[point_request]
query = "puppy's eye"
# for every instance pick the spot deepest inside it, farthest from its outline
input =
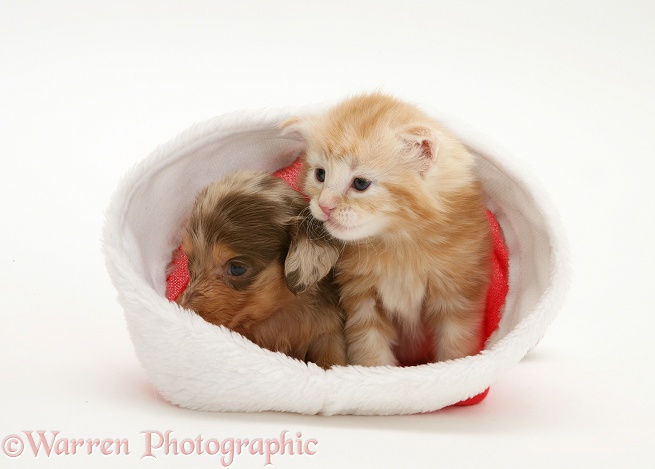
(235, 269)
(361, 184)
(320, 174)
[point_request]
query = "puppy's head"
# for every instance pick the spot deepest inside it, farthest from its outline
(237, 240)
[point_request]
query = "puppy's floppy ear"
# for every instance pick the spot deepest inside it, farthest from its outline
(312, 253)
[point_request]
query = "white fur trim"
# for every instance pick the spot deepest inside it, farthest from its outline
(198, 365)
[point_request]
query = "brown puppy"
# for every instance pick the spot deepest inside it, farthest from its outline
(242, 231)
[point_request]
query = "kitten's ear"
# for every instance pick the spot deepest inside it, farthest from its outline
(312, 254)
(297, 125)
(422, 143)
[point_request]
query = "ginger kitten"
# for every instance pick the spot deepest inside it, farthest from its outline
(401, 192)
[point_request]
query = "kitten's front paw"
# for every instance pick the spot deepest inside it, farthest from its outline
(373, 361)
(370, 334)
(372, 354)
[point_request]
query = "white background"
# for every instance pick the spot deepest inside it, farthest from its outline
(566, 87)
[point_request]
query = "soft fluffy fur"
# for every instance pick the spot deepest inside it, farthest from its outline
(241, 231)
(416, 266)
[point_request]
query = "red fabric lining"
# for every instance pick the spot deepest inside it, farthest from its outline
(178, 279)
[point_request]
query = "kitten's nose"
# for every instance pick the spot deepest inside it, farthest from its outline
(327, 209)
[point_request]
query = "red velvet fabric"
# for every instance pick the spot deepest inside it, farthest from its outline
(178, 279)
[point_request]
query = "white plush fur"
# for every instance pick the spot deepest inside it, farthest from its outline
(198, 365)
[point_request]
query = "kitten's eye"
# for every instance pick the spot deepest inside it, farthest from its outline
(235, 269)
(361, 184)
(320, 174)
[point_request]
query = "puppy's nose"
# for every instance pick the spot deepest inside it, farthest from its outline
(327, 209)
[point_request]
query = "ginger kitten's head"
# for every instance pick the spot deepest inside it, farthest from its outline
(372, 163)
